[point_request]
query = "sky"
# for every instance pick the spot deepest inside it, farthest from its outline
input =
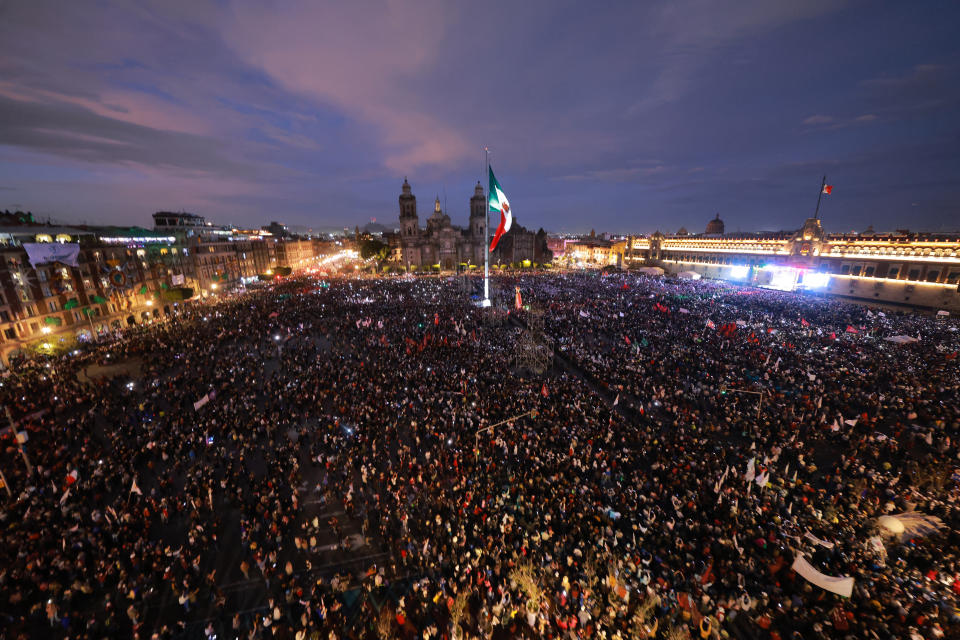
(626, 117)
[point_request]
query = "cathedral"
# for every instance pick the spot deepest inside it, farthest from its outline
(452, 246)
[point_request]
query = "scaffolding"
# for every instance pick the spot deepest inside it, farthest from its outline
(533, 352)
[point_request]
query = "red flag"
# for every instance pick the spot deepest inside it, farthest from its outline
(436, 319)
(707, 576)
(519, 300)
(851, 329)
(804, 323)
(833, 335)
(543, 391)
(951, 356)
(627, 339)
(827, 188)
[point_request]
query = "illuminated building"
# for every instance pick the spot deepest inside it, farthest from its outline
(916, 269)
(451, 247)
(124, 275)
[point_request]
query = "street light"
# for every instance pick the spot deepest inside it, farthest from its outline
(149, 303)
(45, 330)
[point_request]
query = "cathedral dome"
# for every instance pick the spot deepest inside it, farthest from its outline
(715, 226)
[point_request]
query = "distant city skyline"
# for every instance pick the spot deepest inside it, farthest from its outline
(636, 118)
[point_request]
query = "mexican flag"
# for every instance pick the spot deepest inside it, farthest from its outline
(499, 202)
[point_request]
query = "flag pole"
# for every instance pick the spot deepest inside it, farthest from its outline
(816, 214)
(486, 233)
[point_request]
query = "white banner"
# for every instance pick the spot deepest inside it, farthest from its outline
(46, 252)
(199, 403)
(816, 540)
(841, 586)
(177, 280)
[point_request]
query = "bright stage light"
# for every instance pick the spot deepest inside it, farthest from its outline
(780, 278)
(739, 273)
(815, 280)
(784, 279)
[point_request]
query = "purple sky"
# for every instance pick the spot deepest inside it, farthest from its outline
(619, 116)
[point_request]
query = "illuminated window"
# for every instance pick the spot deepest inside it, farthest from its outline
(43, 237)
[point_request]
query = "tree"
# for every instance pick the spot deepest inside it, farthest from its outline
(373, 248)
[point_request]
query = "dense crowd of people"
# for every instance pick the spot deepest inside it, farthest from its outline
(369, 459)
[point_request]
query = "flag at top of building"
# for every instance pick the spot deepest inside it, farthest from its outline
(827, 188)
(499, 202)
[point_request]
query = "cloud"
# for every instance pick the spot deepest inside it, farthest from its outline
(691, 33)
(360, 58)
(821, 122)
(818, 120)
(925, 88)
(626, 174)
(73, 131)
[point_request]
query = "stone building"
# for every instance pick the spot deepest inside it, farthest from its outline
(451, 246)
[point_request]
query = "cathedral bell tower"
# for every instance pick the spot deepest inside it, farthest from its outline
(409, 223)
(478, 212)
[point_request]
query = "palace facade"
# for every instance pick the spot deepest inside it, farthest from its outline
(915, 269)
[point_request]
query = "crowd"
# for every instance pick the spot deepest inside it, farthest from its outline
(313, 460)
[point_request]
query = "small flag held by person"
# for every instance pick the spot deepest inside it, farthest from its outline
(519, 300)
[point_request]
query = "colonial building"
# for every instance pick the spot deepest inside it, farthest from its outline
(124, 275)
(451, 246)
(915, 269)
